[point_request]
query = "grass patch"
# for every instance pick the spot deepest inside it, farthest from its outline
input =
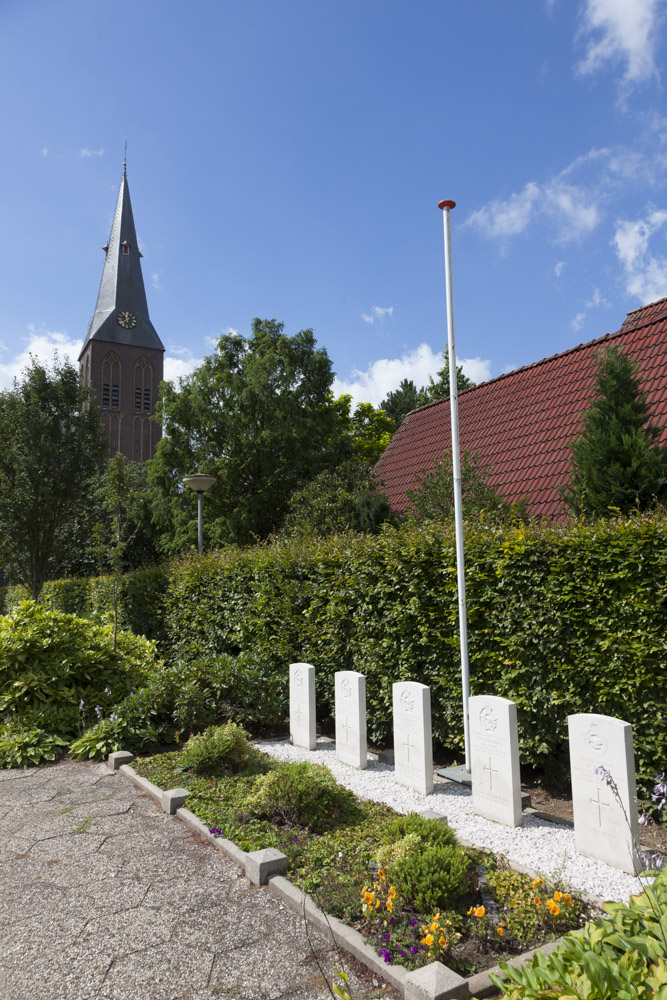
(479, 910)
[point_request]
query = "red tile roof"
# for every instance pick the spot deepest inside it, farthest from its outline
(521, 423)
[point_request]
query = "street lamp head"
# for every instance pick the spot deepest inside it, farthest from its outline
(199, 481)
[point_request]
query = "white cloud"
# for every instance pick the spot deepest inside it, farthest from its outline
(377, 313)
(571, 207)
(41, 344)
(558, 268)
(386, 374)
(156, 282)
(578, 321)
(645, 271)
(45, 150)
(622, 31)
(507, 218)
(88, 153)
(179, 362)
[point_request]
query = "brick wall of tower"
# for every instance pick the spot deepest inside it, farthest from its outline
(125, 380)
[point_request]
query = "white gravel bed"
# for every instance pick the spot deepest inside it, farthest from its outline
(547, 848)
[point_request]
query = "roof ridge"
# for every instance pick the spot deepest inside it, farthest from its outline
(533, 364)
(648, 305)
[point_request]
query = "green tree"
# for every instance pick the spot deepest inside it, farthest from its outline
(617, 464)
(259, 415)
(51, 446)
(432, 499)
(125, 501)
(347, 498)
(369, 430)
(399, 402)
(438, 388)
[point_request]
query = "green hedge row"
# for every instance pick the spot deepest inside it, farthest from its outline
(561, 620)
(140, 603)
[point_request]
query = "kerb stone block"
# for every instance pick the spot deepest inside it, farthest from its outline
(261, 865)
(435, 982)
(114, 760)
(173, 800)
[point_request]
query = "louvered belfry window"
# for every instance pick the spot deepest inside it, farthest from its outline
(110, 382)
(105, 396)
(143, 376)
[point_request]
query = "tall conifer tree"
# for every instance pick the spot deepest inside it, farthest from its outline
(617, 464)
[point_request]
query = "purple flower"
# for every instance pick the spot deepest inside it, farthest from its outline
(660, 791)
(295, 840)
(113, 717)
(98, 711)
(413, 923)
(107, 690)
(387, 937)
(413, 948)
(81, 705)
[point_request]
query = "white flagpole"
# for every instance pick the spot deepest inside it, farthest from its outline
(446, 207)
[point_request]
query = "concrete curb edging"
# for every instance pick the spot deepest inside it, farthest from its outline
(265, 867)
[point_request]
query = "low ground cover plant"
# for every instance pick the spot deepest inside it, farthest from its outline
(404, 881)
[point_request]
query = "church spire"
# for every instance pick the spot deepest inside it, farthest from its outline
(121, 314)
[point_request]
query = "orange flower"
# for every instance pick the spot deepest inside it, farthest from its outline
(469, 911)
(555, 910)
(558, 896)
(390, 905)
(500, 931)
(428, 940)
(479, 911)
(442, 942)
(537, 882)
(537, 901)
(567, 898)
(392, 891)
(381, 874)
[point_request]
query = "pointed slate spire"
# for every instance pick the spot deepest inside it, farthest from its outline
(121, 314)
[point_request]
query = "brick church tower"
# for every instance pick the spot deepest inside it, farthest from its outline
(122, 355)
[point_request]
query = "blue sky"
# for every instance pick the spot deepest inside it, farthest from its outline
(285, 159)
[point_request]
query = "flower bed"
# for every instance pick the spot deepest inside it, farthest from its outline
(404, 882)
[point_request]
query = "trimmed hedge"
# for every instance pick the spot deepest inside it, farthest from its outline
(560, 619)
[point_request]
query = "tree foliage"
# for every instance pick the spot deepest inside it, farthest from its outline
(432, 499)
(259, 415)
(369, 430)
(399, 402)
(51, 446)
(617, 464)
(347, 498)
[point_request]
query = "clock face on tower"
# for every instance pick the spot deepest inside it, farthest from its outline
(126, 319)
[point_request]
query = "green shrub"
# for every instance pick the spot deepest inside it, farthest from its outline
(58, 671)
(389, 854)
(433, 832)
(25, 748)
(219, 748)
(301, 795)
(187, 697)
(619, 957)
(433, 878)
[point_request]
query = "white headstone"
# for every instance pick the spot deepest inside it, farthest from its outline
(602, 762)
(350, 690)
(494, 759)
(413, 746)
(302, 705)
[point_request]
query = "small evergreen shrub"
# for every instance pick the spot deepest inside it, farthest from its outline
(430, 831)
(219, 748)
(390, 853)
(433, 878)
(301, 795)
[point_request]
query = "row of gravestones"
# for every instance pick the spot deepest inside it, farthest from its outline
(601, 757)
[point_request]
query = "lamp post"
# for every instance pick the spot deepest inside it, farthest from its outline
(199, 482)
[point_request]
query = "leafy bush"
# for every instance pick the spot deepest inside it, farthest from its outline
(188, 697)
(25, 748)
(56, 670)
(433, 878)
(301, 795)
(619, 957)
(390, 853)
(219, 748)
(430, 831)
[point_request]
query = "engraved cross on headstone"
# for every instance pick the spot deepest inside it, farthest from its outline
(492, 770)
(597, 801)
(409, 746)
(346, 727)
(298, 715)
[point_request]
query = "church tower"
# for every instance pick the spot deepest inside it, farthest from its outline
(122, 355)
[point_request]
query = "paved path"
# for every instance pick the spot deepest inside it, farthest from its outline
(104, 897)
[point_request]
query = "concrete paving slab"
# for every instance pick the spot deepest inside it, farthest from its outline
(138, 907)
